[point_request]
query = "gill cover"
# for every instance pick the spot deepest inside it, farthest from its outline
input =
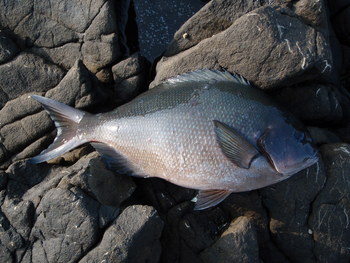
(288, 150)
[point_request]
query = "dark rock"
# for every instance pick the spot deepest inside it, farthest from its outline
(6, 256)
(66, 226)
(157, 21)
(133, 237)
(109, 189)
(213, 18)
(329, 220)
(312, 12)
(20, 214)
(3, 180)
(130, 78)
(289, 206)
(312, 103)
(27, 73)
(241, 238)
(259, 40)
(341, 25)
(9, 237)
(323, 136)
(8, 48)
(66, 32)
(107, 215)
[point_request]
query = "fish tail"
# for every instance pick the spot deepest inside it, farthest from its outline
(66, 120)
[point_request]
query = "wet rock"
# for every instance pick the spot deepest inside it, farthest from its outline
(133, 237)
(66, 227)
(129, 77)
(158, 20)
(312, 103)
(290, 230)
(241, 238)
(329, 220)
(267, 36)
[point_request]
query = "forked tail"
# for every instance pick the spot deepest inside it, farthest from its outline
(66, 120)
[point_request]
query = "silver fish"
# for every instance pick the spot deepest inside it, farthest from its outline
(207, 130)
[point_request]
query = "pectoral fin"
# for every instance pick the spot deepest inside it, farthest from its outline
(209, 198)
(234, 146)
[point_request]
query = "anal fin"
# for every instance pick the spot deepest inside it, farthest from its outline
(114, 160)
(209, 198)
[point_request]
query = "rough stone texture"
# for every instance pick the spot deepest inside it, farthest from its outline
(21, 126)
(329, 220)
(239, 237)
(263, 39)
(129, 78)
(313, 103)
(157, 22)
(133, 237)
(74, 209)
(27, 73)
(213, 18)
(65, 31)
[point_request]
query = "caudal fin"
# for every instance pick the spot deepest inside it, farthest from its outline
(66, 121)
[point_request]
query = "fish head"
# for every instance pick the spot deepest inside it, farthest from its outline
(289, 150)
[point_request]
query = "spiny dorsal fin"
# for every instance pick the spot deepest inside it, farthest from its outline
(208, 75)
(234, 146)
(209, 198)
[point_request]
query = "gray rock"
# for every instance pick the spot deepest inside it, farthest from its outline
(267, 36)
(6, 256)
(66, 226)
(241, 238)
(157, 21)
(9, 238)
(8, 48)
(133, 237)
(312, 103)
(289, 207)
(213, 18)
(130, 78)
(27, 73)
(63, 33)
(329, 220)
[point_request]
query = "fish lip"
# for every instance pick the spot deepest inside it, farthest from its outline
(307, 162)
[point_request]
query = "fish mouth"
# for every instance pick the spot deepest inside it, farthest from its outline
(291, 167)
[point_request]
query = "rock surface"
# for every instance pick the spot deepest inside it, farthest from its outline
(94, 56)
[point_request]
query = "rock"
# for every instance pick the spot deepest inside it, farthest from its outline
(312, 103)
(21, 126)
(66, 226)
(27, 73)
(130, 78)
(329, 219)
(241, 238)
(323, 136)
(267, 36)
(341, 25)
(157, 21)
(109, 189)
(213, 18)
(290, 230)
(9, 238)
(133, 237)
(3, 180)
(65, 32)
(8, 48)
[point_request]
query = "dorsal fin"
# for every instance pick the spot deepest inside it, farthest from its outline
(207, 75)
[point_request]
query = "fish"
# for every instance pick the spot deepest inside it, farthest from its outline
(208, 130)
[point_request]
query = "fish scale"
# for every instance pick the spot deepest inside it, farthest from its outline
(207, 130)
